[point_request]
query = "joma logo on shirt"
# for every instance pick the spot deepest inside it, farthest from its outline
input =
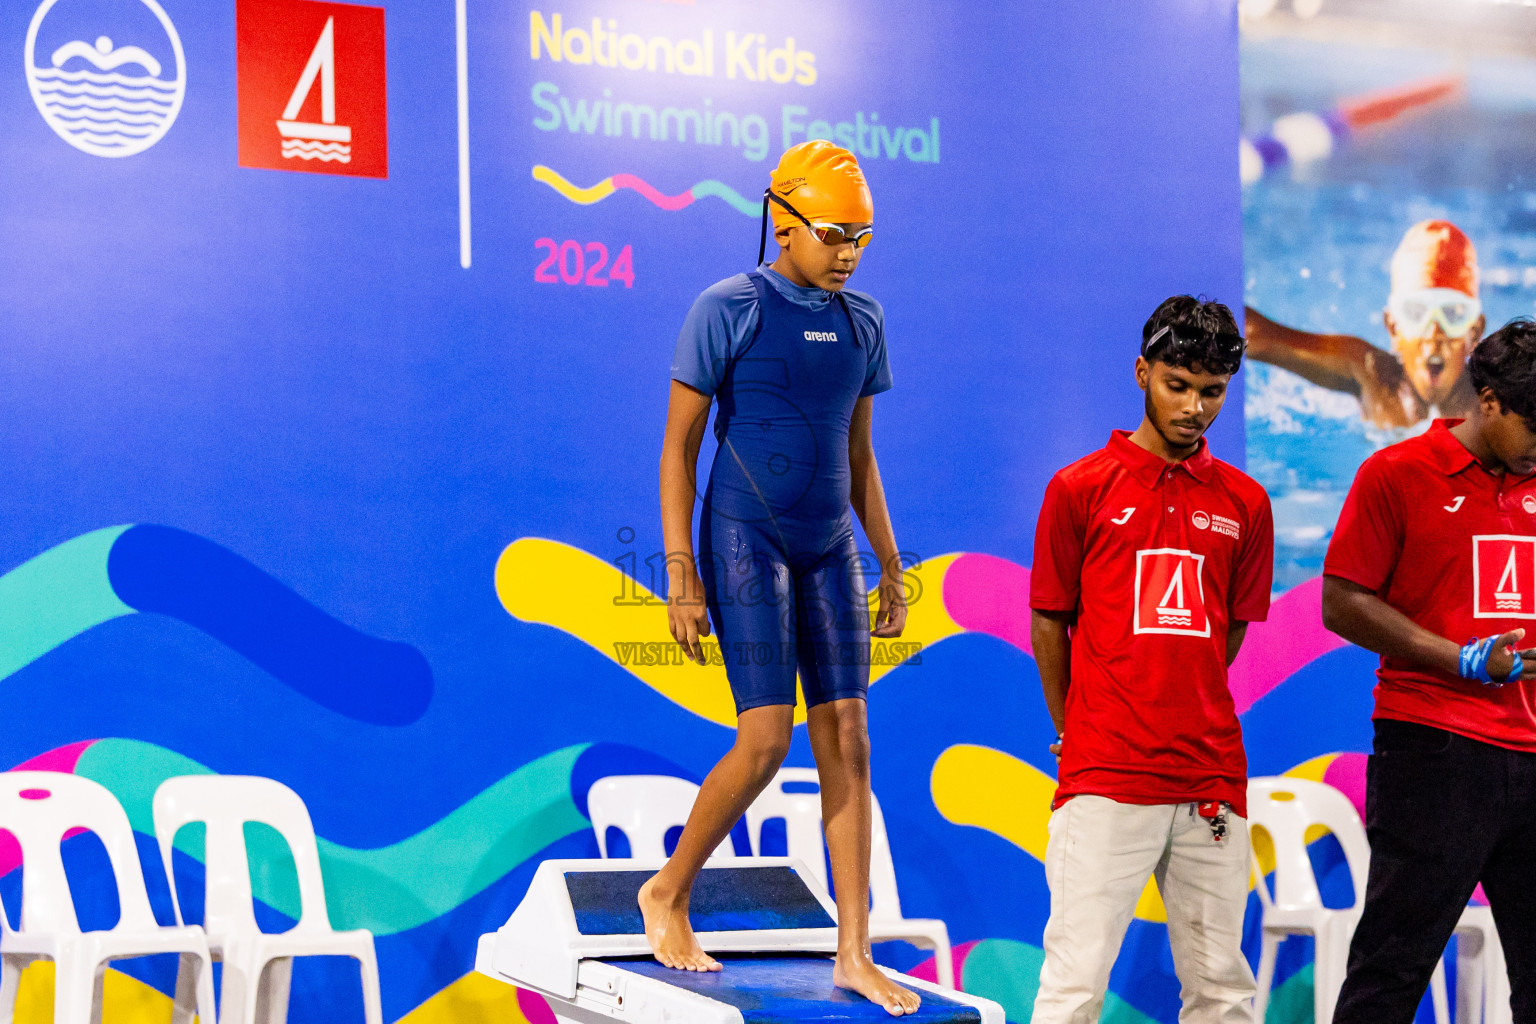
(1504, 577)
(1170, 593)
(820, 335)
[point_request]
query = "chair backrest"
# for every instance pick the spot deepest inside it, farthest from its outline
(1287, 809)
(39, 809)
(805, 839)
(224, 803)
(645, 808)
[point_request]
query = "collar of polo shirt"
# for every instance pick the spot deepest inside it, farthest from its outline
(1146, 467)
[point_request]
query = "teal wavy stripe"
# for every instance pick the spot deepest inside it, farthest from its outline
(720, 190)
(55, 597)
(392, 888)
(1008, 971)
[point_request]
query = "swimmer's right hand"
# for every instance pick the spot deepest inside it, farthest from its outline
(688, 619)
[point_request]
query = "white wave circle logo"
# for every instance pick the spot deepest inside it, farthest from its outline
(118, 106)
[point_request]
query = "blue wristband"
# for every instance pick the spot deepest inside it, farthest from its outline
(1474, 662)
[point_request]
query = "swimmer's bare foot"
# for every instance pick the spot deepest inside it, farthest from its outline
(862, 976)
(669, 933)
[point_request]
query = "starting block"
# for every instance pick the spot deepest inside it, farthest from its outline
(578, 939)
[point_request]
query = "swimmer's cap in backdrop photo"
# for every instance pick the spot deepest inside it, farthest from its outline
(1435, 254)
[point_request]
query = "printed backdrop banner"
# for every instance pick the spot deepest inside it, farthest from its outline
(336, 347)
(1389, 223)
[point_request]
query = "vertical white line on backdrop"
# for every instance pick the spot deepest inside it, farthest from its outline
(462, 40)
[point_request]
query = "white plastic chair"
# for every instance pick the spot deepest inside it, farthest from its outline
(803, 833)
(645, 808)
(1285, 808)
(1482, 980)
(38, 808)
(257, 966)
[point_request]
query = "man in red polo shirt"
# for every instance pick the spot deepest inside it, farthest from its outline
(1437, 543)
(1151, 558)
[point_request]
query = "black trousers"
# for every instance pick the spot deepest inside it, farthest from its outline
(1443, 812)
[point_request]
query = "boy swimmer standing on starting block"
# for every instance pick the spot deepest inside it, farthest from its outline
(793, 360)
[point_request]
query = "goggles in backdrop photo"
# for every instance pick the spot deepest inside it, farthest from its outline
(1170, 342)
(1413, 311)
(828, 234)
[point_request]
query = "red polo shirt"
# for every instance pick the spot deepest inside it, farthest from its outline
(1453, 547)
(1156, 558)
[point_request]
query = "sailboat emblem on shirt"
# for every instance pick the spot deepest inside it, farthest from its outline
(1170, 593)
(1504, 577)
(1171, 610)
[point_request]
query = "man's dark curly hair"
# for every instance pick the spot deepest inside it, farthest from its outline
(1505, 363)
(1199, 334)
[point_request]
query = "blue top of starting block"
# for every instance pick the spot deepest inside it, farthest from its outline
(779, 989)
(723, 900)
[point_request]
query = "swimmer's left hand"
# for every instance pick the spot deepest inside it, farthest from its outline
(891, 617)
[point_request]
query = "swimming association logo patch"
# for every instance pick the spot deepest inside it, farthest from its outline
(1503, 577)
(312, 87)
(1170, 593)
(109, 79)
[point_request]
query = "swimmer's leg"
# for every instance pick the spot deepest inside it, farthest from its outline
(762, 740)
(833, 634)
(752, 606)
(839, 735)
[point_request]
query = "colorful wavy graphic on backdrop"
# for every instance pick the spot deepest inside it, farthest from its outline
(394, 888)
(708, 189)
(121, 570)
(395, 891)
(427, 895)
(559, 585)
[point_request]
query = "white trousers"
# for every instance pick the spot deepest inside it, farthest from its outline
(1097, 863)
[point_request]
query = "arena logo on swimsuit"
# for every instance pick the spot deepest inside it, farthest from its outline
(820, 335)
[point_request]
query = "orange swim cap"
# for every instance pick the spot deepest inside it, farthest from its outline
(824, 183)
(1435, 254)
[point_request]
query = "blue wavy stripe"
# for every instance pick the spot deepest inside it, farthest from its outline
(175, 573)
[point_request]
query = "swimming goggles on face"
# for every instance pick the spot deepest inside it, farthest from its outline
(828, 234)
(1168, 342)
(1413, 311)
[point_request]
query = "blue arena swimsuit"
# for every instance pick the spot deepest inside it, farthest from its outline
(781, 571)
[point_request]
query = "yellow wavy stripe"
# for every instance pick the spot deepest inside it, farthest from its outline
(991, 790)
(988, 789)
(124, 1000)
(584, 196)
(1313, 769)
(473, 999)
(545, 581)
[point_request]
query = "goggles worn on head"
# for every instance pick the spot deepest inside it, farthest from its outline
(1413, 311)
(828, 234)
(1168, 342)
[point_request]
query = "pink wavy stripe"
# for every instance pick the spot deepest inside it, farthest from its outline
(987, 594)
(1277, 648)
(928, 970)
(60, 759)
(1347, 775)
(676, 202)
(535, 1007)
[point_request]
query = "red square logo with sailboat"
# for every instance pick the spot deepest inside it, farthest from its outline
(1170, 593)
(1503, 577)
(312, 87)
